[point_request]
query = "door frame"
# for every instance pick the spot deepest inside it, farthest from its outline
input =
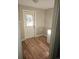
(55, 28)
(23, 11)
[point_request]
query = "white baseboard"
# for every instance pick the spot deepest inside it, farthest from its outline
(35, 36)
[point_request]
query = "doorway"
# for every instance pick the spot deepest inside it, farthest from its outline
(36, 40)
(37, 24)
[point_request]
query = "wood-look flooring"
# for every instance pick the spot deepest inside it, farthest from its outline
(35, 48)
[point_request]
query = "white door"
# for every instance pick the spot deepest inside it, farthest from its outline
(28, 17)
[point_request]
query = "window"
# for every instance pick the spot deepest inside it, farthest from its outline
(29, 20)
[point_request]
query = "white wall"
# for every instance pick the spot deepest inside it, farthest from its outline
(40, 17)
(48, 22)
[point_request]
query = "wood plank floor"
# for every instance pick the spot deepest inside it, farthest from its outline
(37, 48)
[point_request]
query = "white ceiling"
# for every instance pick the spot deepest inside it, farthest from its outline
(43, 4)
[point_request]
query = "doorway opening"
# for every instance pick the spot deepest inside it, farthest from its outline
(37, 26)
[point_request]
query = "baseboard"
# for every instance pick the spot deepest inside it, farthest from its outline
(33, 37)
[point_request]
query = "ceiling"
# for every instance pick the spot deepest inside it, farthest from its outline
(43, 4)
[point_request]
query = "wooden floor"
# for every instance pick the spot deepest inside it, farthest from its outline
(35, 48)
